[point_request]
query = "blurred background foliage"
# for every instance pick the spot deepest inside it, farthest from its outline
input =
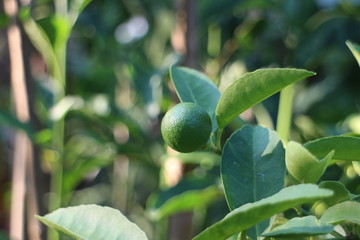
(117, 90)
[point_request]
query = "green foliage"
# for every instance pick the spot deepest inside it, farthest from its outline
(92, 222)
(252, 168)
(301, 227)
(186, 201)
(99, 101)
(302, 165)
(341, 212)
(249, 214)
(193, 86)
(345, 147)
(252, 88)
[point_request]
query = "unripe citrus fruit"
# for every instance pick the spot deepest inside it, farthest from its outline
(186, 127)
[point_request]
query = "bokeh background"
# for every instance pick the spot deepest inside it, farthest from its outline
(95, 110)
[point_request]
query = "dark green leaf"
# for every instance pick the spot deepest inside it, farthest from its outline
(193, 86)
(304, 166)
(346, 147)
(252, 167)
(87, 222)
(252, 88)
(301, 227)
(250, 214)
(186, 201)
(341, 212)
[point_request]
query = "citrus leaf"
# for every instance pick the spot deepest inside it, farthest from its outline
(304, 166)
(252, 88)
(341, 212)
(42, 43)
(355, 50)
(346, 147)
(193, 86)
(300, 227)
(340, 192)
(250, 214)
(186, 201)
(252, 168)
(90, 222)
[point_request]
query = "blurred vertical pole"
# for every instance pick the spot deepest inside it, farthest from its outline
(23, 150)
(184, 40)
(191, 38)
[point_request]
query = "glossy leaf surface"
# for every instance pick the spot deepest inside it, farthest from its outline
(90, 222)
(252, 167)
(250, 214)
(252, 88)
(301, 227)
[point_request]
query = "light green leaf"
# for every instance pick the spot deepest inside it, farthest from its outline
(304, 166)
(300, 227)
(186, 201)
(194, 86)
(340, 192)
(341, 212)
(252, 168)
(355, 49)
(250, 214)
(76, 7)
(43, 44)
(92, 222)
(252, 88)
(346, 147)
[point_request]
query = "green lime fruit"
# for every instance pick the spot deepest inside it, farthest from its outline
(186, 127)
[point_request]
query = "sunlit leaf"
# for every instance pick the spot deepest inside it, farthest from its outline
(87, 222)
(355, 49)
(252, 88)
(249, 214)
(300, 227)
(304, 166)
(346, 147)
(341, 212)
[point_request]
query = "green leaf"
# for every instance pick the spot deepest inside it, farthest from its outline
(252, 167)
(186, 201)
(76, 7)
(250, 214)
(300, 227)
(355, 49)
(254, 87)
(304, 166)
(193, 86)
(341, 212)
(346, 147)
(340, 192)
(90, 222)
